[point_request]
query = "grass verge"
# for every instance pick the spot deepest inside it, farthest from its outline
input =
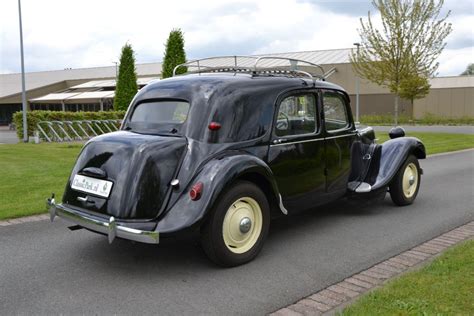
(428, 119)
(444, 287)
(31, 172)
(436, 143)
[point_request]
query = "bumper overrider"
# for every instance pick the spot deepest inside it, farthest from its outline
(110, 228)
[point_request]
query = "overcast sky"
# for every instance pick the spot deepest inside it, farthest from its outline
(62, 34)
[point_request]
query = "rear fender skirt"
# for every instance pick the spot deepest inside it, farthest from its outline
(215, 176)
(393, 155)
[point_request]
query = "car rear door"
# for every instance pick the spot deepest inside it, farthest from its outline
(339, 134)
(296, 154)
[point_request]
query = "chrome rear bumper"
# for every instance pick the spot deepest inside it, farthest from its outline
(109, 228)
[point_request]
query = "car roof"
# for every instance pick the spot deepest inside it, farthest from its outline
(220, 80)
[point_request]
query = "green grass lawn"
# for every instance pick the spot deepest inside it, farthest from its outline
(29, 172)
(444, 287)
(437, 142)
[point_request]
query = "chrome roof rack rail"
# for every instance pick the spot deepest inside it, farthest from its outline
(250, 65)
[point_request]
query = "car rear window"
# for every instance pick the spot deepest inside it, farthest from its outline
(168, 112)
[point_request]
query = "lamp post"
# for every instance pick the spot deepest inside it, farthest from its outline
(23, 92)
(116, 70)
(357, 88)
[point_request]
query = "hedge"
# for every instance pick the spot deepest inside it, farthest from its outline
(34, 117)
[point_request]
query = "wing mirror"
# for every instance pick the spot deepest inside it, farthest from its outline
(396, 132)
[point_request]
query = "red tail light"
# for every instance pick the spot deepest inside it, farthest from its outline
(196, 191)
(214, 126)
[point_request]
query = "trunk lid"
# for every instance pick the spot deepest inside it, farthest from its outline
(139, 166)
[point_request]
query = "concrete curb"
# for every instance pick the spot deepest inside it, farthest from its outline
(333, 298)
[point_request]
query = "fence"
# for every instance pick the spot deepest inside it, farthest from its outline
(61, 131)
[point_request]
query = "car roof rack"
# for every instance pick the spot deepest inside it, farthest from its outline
(256, 66)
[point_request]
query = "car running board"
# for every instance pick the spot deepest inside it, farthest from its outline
(359, 187)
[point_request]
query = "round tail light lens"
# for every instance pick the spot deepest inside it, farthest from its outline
(196, 191)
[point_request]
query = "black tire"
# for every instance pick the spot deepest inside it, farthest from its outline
(398, 195)
(212, 238)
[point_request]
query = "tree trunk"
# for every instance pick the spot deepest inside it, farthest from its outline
(396, 110)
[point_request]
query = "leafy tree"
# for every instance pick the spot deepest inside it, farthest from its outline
(406, 48)
(469, 70)
(174, 54)
(127, 79)
(414, 87)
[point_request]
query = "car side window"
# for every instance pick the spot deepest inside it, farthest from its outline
(335, 111)
(296, 115)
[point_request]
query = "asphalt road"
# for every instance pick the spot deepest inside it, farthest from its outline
(47, 269)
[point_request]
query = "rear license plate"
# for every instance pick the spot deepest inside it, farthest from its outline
(91, 185)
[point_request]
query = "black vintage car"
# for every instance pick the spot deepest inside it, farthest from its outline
(224, 149)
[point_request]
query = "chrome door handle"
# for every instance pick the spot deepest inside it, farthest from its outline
(279, 140)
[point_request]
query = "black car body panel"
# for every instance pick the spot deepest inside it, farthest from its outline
(140, 167)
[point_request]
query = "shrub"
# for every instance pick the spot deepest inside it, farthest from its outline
(34, 117)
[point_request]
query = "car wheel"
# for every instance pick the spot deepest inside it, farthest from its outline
(404, 187)
(238, 225)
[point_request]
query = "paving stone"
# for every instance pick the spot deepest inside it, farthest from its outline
(396, 265)
(440, 243)
(426, 249)
(416, 258)
(321, 307)
(304, 309)
(368, 279)
(285, 312)
(4, 223)
(360, 283)
(352, 287)
(341, 298)
(386, 273)
(325, 300)
(445, 241)
(419, 253)
(403, 261)
(387, 267)
(374, 274)
(435, 246)
(342, 290)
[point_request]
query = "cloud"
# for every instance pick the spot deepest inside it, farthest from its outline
(61, 34)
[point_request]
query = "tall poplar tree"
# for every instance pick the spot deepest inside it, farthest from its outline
(127, 79)
(174, 54)
(402, 54)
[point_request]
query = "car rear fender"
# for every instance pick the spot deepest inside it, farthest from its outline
(216, 175)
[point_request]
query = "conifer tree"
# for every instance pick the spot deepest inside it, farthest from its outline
(174, 54)
(127, 79)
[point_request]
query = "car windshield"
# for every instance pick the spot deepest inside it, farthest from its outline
(159, 116)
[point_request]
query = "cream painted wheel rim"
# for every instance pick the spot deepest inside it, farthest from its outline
(410, 180)
(242, 225)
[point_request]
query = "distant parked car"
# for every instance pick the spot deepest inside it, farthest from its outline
(222, 149)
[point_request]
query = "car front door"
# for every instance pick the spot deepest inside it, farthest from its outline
(296, 154)
(339, 135)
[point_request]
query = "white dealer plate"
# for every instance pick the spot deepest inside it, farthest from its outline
(91, 185)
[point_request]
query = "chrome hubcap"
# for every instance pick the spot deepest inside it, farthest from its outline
(245, 225)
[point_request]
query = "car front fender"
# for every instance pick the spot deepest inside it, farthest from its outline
(216, 175)
(393, 155)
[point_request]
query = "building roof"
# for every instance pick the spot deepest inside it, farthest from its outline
(452, 82)
(10, 84)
